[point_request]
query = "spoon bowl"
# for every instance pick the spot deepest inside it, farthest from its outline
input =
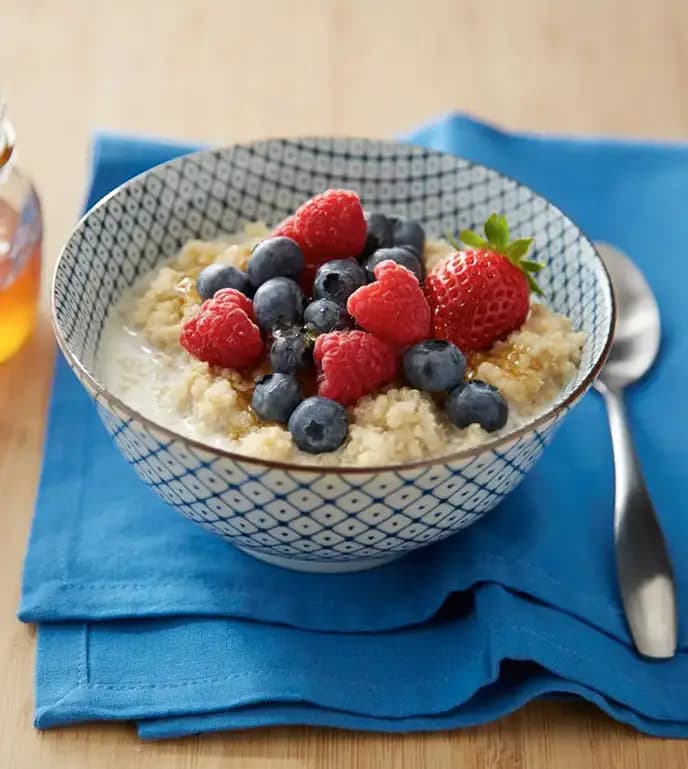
(637, 333)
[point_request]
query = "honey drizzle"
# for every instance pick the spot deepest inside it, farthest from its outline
(506, 356)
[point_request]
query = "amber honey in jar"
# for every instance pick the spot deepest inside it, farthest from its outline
(21, 232)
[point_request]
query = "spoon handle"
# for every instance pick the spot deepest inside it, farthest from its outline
(645, 575)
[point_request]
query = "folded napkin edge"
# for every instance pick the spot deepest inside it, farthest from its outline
(459, 119)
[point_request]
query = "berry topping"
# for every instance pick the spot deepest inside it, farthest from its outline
(399, 254)
(379, 234)
(477, 403)
(318, 425)
(330, 225)
(407, 232)
(352, 364)
(274, 257)
(223, 333)
(287, 229)
(278, 300)
(338, 279)
(307, 277)
(325, 315)
(275, 397)
(291, 350)
(480, 295)
(232, 296)
(393, 308)
(215, 277)
(434, 365)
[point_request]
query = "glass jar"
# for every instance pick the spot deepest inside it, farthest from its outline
(21, 234)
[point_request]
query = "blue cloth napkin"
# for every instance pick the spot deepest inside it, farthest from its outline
(145, 616)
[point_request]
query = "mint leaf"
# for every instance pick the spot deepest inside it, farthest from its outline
(471, 238)
(530, 266)
(497, 231)
(519, 248)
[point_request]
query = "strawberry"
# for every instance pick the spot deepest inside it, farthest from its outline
(330, 225)
(480, 295)
(352, 364)
(224, 332)
(393, 308)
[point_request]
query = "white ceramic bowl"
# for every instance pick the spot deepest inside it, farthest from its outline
(296, 516)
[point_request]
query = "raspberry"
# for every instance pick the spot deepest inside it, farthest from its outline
(224, 333)
(308, 278)
(233, 297)
(393, 308)
(286, 229)
(352, 364)
(330, 225)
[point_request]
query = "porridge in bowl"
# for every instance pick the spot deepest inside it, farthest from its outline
(340, 340)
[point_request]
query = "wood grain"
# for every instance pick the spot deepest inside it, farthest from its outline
(230, 70)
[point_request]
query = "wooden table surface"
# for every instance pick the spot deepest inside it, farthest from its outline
(232, 70)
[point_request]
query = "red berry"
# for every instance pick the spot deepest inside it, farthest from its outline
(330, 225)
(393, 308)
(352, 364)
(477, 297)
(286, 229)
(224, 333)
(230, 296)
(307, 278)
(480, 295)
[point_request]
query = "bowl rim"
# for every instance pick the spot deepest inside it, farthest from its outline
(550, 414)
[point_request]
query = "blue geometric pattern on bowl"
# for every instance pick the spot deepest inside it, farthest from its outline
(322, 519)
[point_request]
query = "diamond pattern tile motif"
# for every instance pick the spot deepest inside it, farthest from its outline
(314, 518)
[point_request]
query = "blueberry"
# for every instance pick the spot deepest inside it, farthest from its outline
(274, 257)
(325, 315)
(318, 425)
(217, 276)
(379, 234)
(407, 232)
(278, 300)
(399, 254)
(338, 279)
(275, 397)
(291, 349)
(477, 402)
(434, 365)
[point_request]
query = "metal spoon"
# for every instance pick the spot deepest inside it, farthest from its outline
(645, 575)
